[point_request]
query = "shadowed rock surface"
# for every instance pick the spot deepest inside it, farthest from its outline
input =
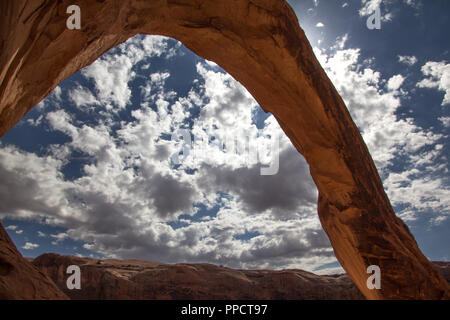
(19, 279)
(260, 43)
(143, 279)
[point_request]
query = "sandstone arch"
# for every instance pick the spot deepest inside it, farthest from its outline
(260, 43)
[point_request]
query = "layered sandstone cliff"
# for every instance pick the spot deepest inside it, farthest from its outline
(260, 43)
(141, 279)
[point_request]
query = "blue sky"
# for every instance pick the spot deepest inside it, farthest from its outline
(88, 171)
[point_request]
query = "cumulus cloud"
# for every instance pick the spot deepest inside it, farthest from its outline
(285, 194)
(408, 60)
(30, 246)
(437, 76)
(112, 73)
(445, 121)
(83, 97)
(59, 237)
(395, 82)
(171, 197)
(369, 6)
(438, 220)
(413, 3)
(31, 184)
(88, 246)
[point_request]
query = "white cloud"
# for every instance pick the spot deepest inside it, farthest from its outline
(60, 236)
(83, 97)
(57, 93)
(320, 25)
(395, 82)
(41, 234)
(30, 246)
(419, 192)
(369, 6)
(408, 60)
(34, 184)
(111, 73)
(445, 121)
(88, 246)
(35, 122)
(11, 227)
(328, 271)
(438, 220)
(437, 75)
(413, 3)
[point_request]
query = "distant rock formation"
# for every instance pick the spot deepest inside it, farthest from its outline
(260, 43)
(141, 279)
(19, 279)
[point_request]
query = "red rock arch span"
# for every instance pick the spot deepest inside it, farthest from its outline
(260, 43)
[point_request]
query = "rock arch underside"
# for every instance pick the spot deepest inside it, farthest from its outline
(260, 43)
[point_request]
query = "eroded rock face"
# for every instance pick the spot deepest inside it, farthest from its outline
(260, 43)
(141, 279)
(19, 279)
